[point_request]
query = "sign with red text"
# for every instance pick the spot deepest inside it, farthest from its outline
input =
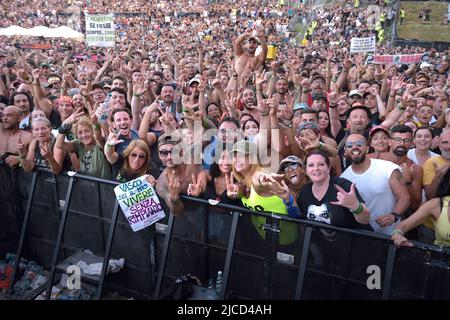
(397, 58)
(139, 203)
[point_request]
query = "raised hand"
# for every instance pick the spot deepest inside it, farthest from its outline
(232, 187)
(139, 86)
(407, 172)
(150, 179)
(346, 199)
(194, 188)
(113, 138)
(46, 153)
(21, 148)
(173, 186)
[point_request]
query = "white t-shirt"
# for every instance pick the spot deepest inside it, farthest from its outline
(412, 155)
(373, 185)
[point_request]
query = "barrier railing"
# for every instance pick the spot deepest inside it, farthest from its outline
(322, 262)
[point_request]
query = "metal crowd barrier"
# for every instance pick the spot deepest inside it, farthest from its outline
(64, 214)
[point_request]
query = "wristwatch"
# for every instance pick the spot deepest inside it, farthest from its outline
(397, 216)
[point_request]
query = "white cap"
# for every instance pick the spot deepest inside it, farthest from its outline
(425, 65)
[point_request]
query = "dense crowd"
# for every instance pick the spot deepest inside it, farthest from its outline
(219, 101)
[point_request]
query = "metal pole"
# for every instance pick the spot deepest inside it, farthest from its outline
(303, 260)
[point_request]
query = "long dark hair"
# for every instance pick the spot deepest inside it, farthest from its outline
(444, 185)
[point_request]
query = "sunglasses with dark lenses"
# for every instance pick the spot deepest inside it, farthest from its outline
(140, 156)
(165, 153)
(291, 166)
(350, 144)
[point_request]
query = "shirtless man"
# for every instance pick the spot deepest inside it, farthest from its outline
(176, 178)
(246, 61)
(11, 135)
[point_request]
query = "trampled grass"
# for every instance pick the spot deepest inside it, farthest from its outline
(413, 28)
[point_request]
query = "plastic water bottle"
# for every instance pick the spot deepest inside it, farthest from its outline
(219, 282)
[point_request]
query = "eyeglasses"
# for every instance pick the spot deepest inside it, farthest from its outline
(400, 140)
(165, 153)
(291, 166)
(140, 156)
(350, 144)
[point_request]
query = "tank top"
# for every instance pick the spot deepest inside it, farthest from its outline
(255, 202)
(442, 225)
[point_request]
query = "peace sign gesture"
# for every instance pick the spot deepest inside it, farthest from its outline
(173, 186)
(346, 199)
(194, 188)
(232, 187)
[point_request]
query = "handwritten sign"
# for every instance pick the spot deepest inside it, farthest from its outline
(362, 45)
(100, 30)
(139, 203)
(398, 58)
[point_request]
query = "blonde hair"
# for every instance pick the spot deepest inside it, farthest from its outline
(85, 121)
(247, 181)
(141, 144)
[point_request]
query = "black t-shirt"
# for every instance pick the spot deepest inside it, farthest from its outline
(322, 211)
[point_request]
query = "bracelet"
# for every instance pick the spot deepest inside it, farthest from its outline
(109, 145)
(136, 95)
(264, 114)
(21, 157)
(320, 145)
(96, 127)
(359, 209)
(396, 231)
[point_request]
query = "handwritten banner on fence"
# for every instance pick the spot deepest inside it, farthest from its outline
(100, 30)
(139, 203)
(398, 59)
(362, 45)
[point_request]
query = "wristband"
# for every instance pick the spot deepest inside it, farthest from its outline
(64, 129)
(401, 107)
(264, 114)
(359, 209)
(109, 145)
(396, 231)
(136, 95)
(21, 157)
(290, 202)
(396, 216)
(96, 127)
(320, 145)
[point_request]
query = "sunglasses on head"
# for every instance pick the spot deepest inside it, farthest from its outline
(350, 144)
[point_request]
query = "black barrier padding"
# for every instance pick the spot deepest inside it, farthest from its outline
(10, 220)
(247, 278)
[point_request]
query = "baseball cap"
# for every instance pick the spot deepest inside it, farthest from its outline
(355, 92)
(97, 85)
(169, 138)
(195, 79)
(299, 106)
(376, 129)
(318, 76)
(425, 65)
(308, 125)
(244, 147)
(319, 96)
(290, 159)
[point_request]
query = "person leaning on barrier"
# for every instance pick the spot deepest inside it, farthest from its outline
(177, 176)
(135, 163)
(11, 135)
(41, 152)
(330, 199)
(258, 190)
(437, 208)
(379, 182)
(88, 145)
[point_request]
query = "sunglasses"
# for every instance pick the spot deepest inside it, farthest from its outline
(140, 156)
(358, 144)
(165, 153)
(291, 166)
